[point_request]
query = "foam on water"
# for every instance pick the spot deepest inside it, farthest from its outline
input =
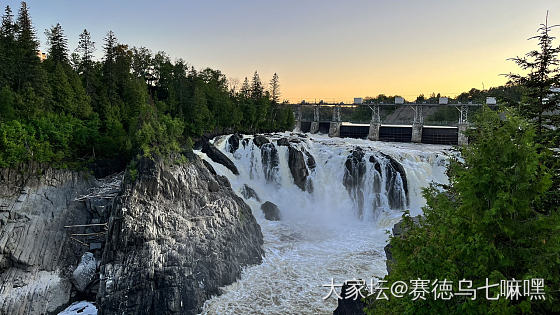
(320, 236)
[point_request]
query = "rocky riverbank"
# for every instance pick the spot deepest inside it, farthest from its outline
(162, 242)
(37, 253)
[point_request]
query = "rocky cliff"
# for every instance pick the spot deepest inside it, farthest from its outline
(37, 256)
(176, 234)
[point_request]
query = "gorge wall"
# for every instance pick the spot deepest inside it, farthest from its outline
(177, 233)
(37, 256)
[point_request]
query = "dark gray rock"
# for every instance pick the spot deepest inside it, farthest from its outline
(37, 256)
(392, 171)
(233, 142)
(347, 305)
(353, 180)
(270, 161)
(217, 156)
(213, 186)
(209, 167)
(283, 142)
(259, 140)
(249, 193)
(298, 168)
(271, 211)
(85, 273)
(311, 164)
(171, 244)
(396, 166)
(355, 169)
(399, 230)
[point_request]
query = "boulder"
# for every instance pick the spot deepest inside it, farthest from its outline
(283, 142)
(271, 211)
(85, 273)
(217, 156)
(233, 142)
(259, 140)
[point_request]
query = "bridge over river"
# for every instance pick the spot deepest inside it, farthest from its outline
(442, 132)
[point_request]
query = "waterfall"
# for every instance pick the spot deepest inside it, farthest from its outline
(336, 197)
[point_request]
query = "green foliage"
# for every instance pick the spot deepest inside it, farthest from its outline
(484, 225)
(131, 102)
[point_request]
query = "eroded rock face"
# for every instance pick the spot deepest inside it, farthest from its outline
(298, 168)
(283, 142)
(270, 161)
(172, 242)
(259, 140)
(394, 172)
(217, 156)
(233, 142)
(36, 253)
(249, 193)
(355, 169)
(271, 211)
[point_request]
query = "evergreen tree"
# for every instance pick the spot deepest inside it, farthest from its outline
(543, 74)
(257, 89)
(7, 47)
(275, 89)
(27, 61)
(58, 50)
(8, 28)
(85, 49)
(484, 225)
(245, 89)
(109, 48)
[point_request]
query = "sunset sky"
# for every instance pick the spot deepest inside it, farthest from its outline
(331, 50)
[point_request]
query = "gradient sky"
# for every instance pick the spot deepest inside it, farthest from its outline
(331, 50)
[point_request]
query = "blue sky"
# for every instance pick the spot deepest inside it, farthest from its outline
(321, 49)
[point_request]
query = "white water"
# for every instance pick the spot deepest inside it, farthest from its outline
(320, 236)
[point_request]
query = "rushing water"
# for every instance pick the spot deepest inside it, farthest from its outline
(321, 235)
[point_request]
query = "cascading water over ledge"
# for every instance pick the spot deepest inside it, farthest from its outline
(336, 199)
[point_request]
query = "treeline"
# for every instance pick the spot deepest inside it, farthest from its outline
(70, 108)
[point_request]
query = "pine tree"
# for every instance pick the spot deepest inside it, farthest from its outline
(7, 47)
(109, 47)
(245, 89)
(257, 89)
(544, 74)
(275, 89)
(58, 50)
(109, 60)
(8, 28)
(86, 48)
(27, 61)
